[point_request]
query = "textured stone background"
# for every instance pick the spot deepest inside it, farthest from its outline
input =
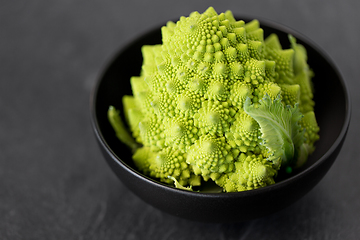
(54, 182)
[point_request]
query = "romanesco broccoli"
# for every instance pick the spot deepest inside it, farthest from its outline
(217, 101)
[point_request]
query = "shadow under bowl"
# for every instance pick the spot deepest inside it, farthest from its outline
(332, 111)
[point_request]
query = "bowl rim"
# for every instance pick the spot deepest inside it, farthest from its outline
(248, 193)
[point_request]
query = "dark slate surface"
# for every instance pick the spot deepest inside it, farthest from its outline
(54, 182)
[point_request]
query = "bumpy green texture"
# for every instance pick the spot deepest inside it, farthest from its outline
(218, 102)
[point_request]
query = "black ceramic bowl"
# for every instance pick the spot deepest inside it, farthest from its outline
(333, 116)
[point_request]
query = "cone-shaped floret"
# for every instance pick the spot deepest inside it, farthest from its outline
(164, 104)
(138, 85)
(272, 42)
(129, 102)
(243, 52)
(290, 94)
(170, 162)
(188, 103)
(303, 75)
(270, 69)
(309, 123)
(252, 25)
(214, 117)
(145, 98)
(284, 64)
(218, 90)
(167, 31)
(271, 89)
(211, 155)
(236, 71)
(198, 85)
(256, 35)
(133, 116)
(200, 33)
(142, 158)
(300, 56)
(149, 53)
(245, 133)
(239, 92)
(177, 82)
(240, 34)
(256, 49)
(254, 72)
(251, 172)
(151, 132)
(306, 93)
(180, 133)
(220, 70)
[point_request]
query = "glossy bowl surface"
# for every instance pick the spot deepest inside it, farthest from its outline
(332, 111)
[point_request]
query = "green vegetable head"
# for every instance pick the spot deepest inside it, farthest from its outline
(215, 100)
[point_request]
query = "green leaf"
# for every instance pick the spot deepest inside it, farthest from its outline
(178, 185)
(120, 130)
(281, 133)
